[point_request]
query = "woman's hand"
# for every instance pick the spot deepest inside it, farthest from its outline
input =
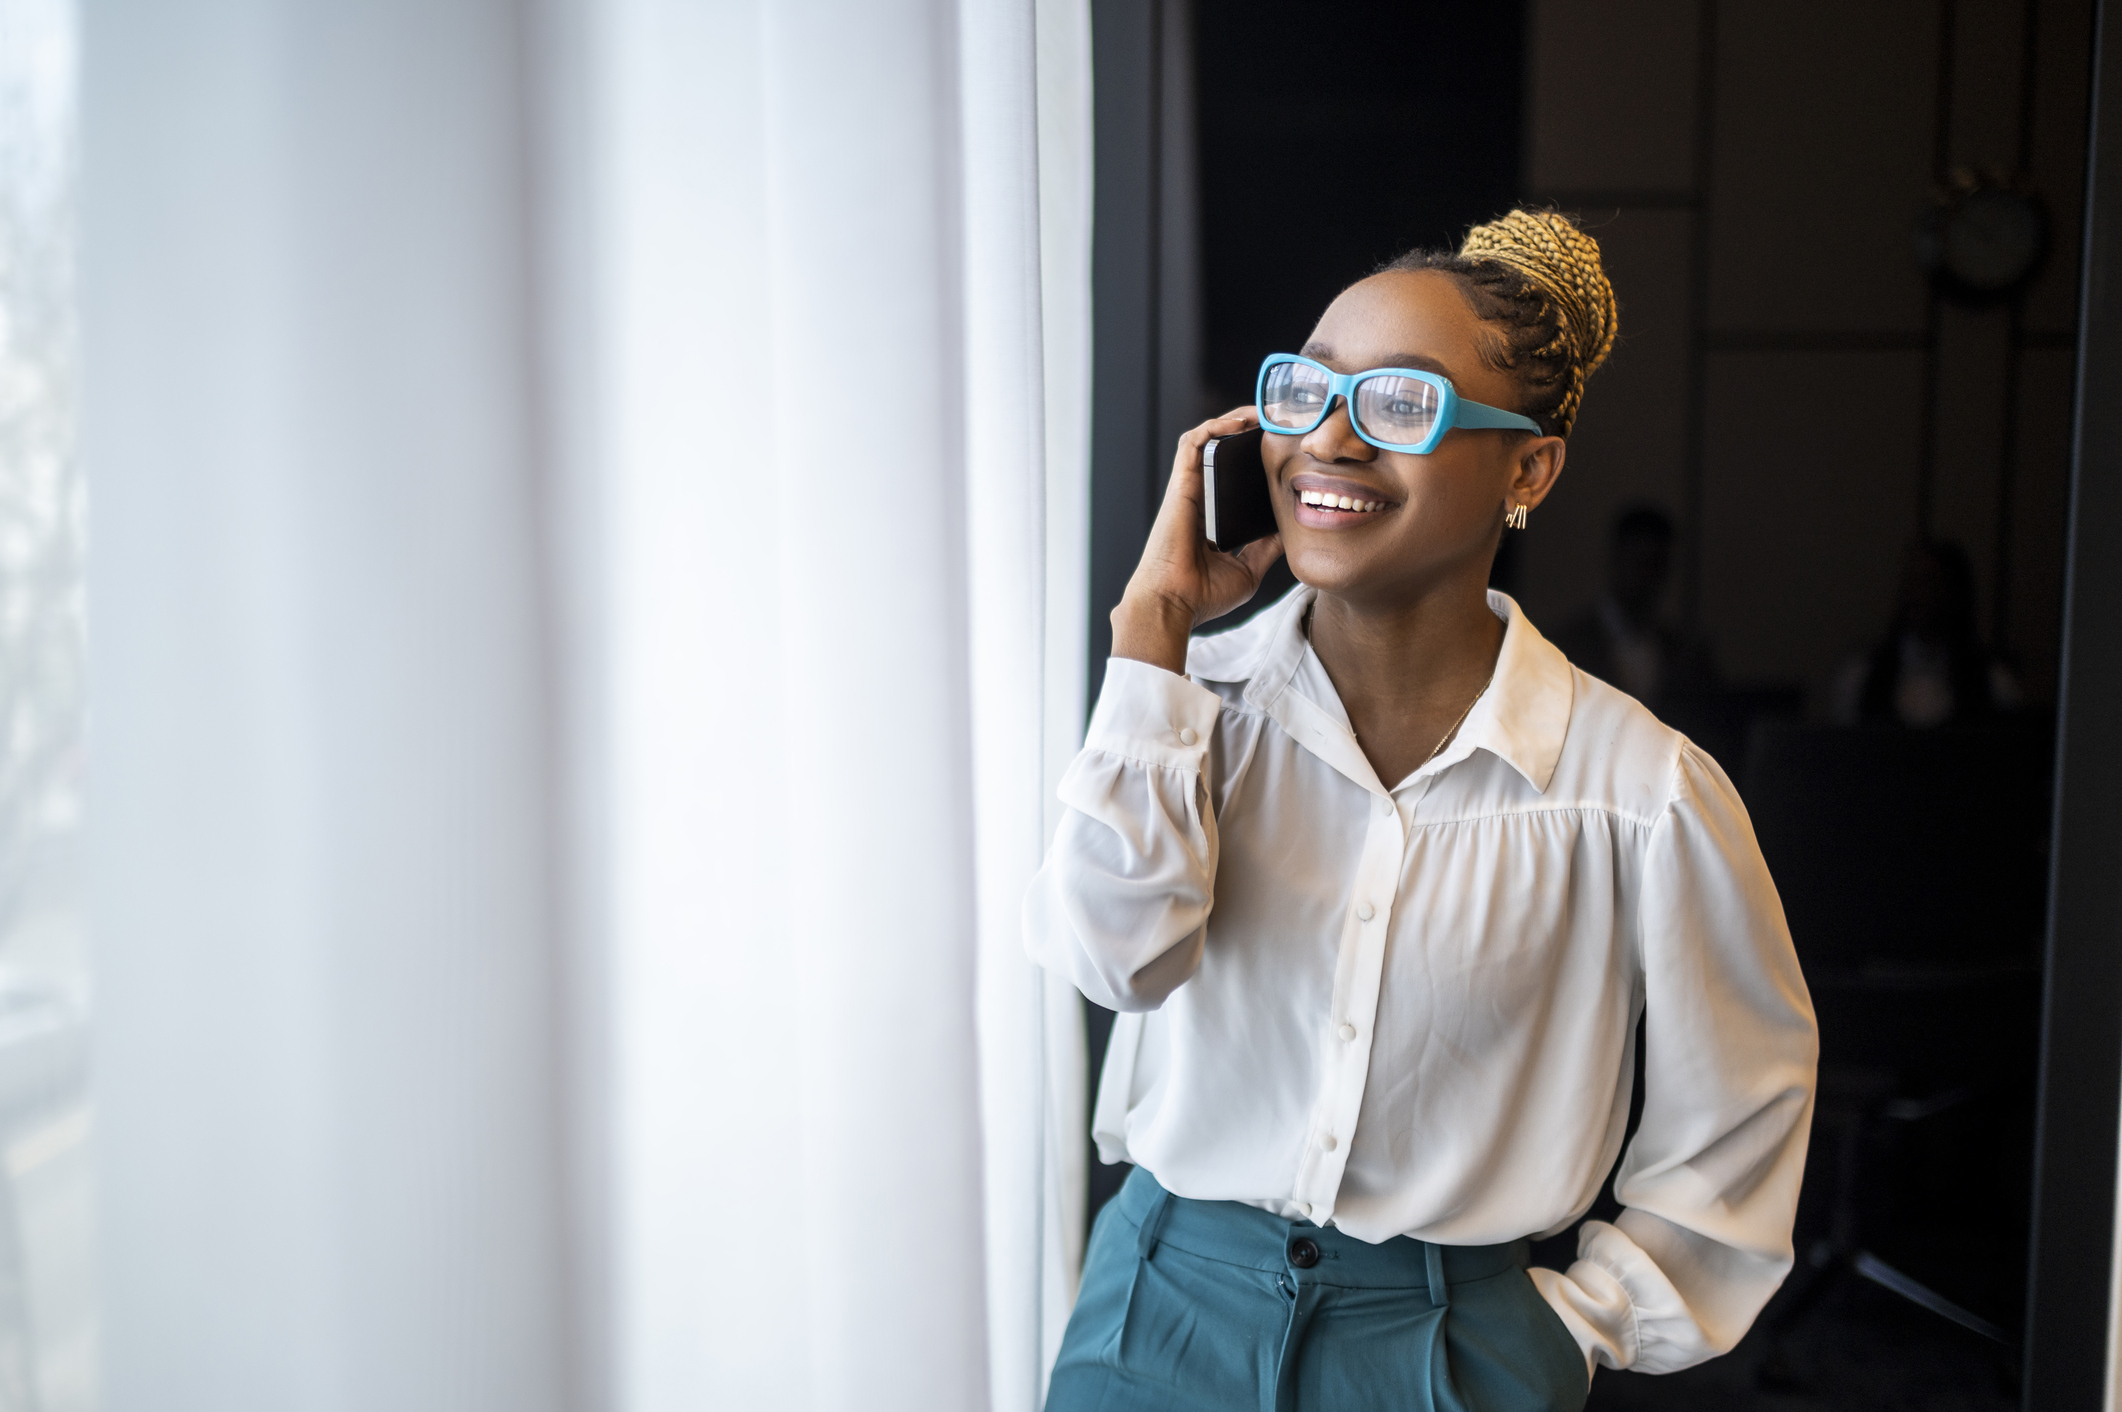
(1182, 581)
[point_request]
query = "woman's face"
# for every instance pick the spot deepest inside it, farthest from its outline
(1439, 514)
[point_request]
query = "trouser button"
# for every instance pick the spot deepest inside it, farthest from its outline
(1304, 1252)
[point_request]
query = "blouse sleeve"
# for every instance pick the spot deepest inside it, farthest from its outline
(1709, 1186)
(1120, 905)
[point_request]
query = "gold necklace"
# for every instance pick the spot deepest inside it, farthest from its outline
(1458, 723)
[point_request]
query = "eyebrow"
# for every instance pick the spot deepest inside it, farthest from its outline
(1325, 354)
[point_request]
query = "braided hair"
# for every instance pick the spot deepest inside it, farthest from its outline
(1535, 278)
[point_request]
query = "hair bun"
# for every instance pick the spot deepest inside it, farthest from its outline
(1554, 253)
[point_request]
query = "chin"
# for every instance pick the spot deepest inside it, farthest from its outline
(1332, 571)
(1386, 572)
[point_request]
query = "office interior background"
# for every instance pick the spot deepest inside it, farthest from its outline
(1812, 403)
(439, 966)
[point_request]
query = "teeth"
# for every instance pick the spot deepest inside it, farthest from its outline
(1338, 502)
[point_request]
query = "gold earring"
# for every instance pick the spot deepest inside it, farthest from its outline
(1515, 516)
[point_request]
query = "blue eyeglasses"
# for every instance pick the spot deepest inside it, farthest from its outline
(1394, 409)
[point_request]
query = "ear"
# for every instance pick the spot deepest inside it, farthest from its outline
(1538, 465)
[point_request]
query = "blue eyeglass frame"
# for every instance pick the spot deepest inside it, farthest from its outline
(1452, 409)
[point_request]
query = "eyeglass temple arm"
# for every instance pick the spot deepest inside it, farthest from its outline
(1480, 415)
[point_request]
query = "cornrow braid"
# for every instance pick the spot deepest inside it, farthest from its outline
(1536, 277)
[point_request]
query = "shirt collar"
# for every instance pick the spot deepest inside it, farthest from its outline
(1263, 649)
(1522, 718)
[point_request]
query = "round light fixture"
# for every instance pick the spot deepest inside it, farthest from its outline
(1984, 240)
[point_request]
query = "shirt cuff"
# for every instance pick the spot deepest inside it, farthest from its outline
(1595, 1308)
(1153, 716)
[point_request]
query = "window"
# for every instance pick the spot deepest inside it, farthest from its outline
(47, 1310)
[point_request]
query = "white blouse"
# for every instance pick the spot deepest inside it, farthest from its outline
(1413, 1011)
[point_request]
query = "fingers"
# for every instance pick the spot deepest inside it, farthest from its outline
(1188, 458)
(1259, 556)
(1228, 424)
(1232, 579)
(1177, 564)
(1182, 493)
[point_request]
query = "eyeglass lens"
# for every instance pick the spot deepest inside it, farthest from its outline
(1392, 409)
(1395, 409)
(1293, 397)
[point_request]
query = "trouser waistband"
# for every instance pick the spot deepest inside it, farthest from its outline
(1237, 1234)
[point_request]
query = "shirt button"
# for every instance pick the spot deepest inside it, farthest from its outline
(1329, 1142)
(1364, 911)
(1347, 1032)
(1304, 1251)
(1385, 808)
(1187, 736)
(1307, 1210)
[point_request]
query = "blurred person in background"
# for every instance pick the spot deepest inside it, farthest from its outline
(1931, 668)
(1382, 885)
(1624, 640)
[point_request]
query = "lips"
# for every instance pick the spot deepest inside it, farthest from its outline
(1331, 502)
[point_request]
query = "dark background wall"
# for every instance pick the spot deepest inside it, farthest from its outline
(1145, 282)
(1786, 384)
(1362, 130)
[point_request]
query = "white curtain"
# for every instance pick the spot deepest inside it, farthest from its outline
(587, 607)
(320, 796)
(1025, 100)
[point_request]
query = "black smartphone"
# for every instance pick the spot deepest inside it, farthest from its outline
(1237, 501)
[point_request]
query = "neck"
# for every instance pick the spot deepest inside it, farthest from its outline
(1405, 671)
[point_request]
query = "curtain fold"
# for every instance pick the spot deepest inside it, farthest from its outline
(1063, 66)
(853, 621)
(1024, 101)
(1005, 541)
(590, 519)
(320, 785)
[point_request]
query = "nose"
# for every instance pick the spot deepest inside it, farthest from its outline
(1335, 439)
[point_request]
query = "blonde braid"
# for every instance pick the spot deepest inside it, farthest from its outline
(1550, 251)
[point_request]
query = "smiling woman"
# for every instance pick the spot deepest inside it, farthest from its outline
(1384, 885)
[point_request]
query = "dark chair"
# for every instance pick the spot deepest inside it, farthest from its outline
(1912, 869)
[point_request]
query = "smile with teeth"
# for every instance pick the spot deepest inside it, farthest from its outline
(1326, 501)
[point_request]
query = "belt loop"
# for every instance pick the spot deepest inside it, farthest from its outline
(1440, 1290)
(1153, 1224)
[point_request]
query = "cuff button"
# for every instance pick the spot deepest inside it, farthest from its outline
(1188, 736)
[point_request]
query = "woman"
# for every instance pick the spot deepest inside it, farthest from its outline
(1384, 885)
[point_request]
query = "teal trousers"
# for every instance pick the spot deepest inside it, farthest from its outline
(1213, 1306)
